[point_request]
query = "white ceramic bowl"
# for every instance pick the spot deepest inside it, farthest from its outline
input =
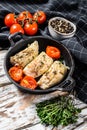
(58, 35)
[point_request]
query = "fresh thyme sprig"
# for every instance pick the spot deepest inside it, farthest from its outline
(60, 110)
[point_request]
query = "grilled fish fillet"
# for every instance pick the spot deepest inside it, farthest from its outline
(39, 65)
(25, 56)
(53, 76)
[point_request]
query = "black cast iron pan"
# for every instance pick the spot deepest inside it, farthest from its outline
(65, 85)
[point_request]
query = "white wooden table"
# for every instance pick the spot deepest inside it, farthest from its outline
(17, 109)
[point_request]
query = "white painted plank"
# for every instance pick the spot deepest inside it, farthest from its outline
(38, 127)
(82, 127)
(4, 79)
(3, 53)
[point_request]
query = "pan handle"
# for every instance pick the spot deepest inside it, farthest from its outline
(14, 38)
(67, 85)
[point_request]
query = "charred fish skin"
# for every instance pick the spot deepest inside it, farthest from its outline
(38, 66)
(25, 56)
(54, 75)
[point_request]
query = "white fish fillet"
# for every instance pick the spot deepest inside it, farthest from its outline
(53, 76)
(39, 65)
(25, 56)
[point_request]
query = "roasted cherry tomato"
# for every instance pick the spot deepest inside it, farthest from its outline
(16, 73)
(10, 19)
(53, 52)
(16, 28)
(40, 17)
(28, 82)
(31, 28)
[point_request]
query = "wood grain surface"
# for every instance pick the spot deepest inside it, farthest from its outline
(17, 109)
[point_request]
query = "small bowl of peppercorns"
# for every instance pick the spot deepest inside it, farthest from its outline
(61, 28)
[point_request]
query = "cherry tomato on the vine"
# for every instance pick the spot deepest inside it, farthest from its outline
(25, 22)
(31, 28)
(24, 15)
(40, 17)
(16, 28)
(10, 19)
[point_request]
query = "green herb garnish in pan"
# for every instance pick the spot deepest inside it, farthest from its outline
(57, 111)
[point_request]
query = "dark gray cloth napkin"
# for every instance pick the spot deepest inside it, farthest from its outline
(75, 11)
